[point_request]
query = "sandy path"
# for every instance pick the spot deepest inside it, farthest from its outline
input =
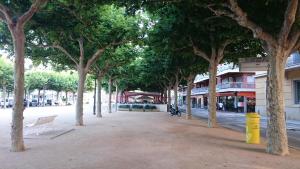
(145, 140)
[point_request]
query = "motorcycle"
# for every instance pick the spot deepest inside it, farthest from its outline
(174, 112)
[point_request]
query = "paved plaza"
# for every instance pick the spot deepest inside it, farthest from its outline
(137, 140)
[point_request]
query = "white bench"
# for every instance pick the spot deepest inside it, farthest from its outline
(41, 122)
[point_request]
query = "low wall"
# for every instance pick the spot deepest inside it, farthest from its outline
(159, 107)
(162, 107)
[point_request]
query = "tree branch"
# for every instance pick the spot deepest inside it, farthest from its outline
(31, 11)
(5, 14)
(64, 51)
(220, 53)
(289, 19)
(98, 54)
(242, 19)
(198, 51)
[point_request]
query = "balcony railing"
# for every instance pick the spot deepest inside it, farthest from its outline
(199, 90)
(239, 85)
(292, 62)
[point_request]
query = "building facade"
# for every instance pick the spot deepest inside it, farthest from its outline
(291, 87)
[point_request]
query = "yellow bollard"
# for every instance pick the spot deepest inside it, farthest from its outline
(252, 128)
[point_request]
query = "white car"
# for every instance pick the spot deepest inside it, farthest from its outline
(9, 103)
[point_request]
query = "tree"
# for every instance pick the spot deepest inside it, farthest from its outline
(88, 31)
(276, 24)
(16, 15)
(6, 77)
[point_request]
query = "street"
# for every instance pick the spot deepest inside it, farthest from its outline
(236, 121)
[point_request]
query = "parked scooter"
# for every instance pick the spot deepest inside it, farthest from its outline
(174, 112)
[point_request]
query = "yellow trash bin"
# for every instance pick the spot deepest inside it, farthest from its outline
(252, 128)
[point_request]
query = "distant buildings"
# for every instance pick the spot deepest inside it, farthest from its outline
(243, 88)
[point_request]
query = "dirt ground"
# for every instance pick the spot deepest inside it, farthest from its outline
(144, 140)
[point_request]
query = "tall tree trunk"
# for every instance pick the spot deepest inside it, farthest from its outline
(117, 94)
(28, 97)
(80, 90)
(57, 96)
(99, 112)
(73, 99)
(165, 96)
(176, 93)
(188, 98)
(44, 90)
(277, 142)
(17, 142)
(39, 94)
(67, 99)
(109, 94)
(4, 96)
(212, 109)
(95, 93)
(169, 99)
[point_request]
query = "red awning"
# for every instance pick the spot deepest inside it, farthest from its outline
(246, 94)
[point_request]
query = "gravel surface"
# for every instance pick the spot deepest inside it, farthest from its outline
(140, 140)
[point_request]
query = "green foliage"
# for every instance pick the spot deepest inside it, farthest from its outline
(6, 74)
(57, 81)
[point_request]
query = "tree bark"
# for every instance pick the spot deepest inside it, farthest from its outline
(57, 96)
(169, 99)
(188, 98)
(109, 94)
(212, 109)
(28, 97)
(17, 142)
(44, 89)
(66, 93)
(277, 142)
(4, 96)
(39, 93)
(176, 93)
(99, 112)
(80, 90)
(117, 93)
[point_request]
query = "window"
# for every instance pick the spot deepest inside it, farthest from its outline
(297, 91)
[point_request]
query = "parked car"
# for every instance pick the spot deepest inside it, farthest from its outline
(34, 103)
(49, 102)
(8, 102)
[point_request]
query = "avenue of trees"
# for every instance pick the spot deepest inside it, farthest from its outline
(146, 45)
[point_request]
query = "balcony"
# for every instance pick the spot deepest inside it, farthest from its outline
(293, 61)
(201, 90)
(238, 86)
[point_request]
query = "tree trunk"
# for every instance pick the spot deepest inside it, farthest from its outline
(165, 96)
(109, 94)
(57, 96)
(169, 99)
(188, 98)
(44, 89)
(212, 109)
(80, 90)
(28, 97)
(67, 99)
(4, 96)
(73, 99)
(99, 112)
(117, 93)
(17, 142)
(176, 94)
(277, 142)
(39, 93)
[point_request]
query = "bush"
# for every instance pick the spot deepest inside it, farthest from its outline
(137, 107)
(150, 107)
(124, 106)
